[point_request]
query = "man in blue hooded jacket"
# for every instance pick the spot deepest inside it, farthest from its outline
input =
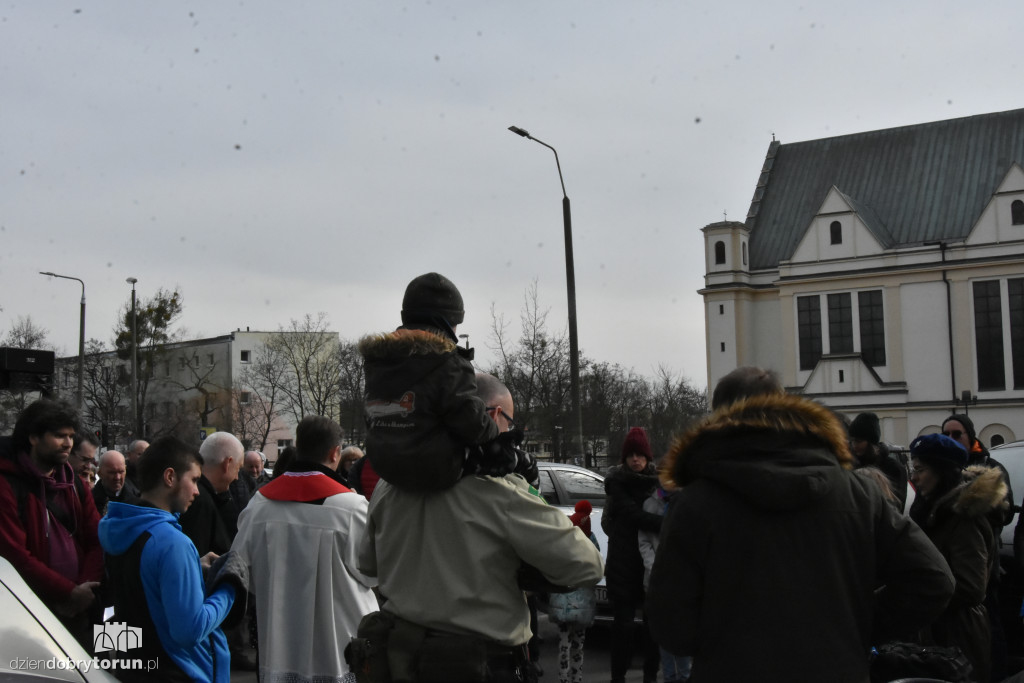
(158, 574)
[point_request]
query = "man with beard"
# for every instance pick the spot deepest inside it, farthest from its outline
(47, 517)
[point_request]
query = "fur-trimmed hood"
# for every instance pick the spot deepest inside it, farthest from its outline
(982, 492)
(404, 342)
(778, 452)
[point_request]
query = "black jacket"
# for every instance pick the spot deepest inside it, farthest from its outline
(128, 494)
(422, 411)
(622, 519)
(959, 524)
(778, 563)
(207, 520)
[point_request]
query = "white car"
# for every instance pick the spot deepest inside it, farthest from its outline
(34, 645)
(565, 485)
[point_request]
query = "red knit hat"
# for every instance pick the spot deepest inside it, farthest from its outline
(581, 517)
(636, 442)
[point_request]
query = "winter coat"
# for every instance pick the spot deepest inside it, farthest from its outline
(187, 620)
(206, 520)
(25, 525)
(958, 523)
(623, 518)
(778, 563)
(422, 410)
(450, 560)
(128, 494)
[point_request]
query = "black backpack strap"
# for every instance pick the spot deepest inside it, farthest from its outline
(124, 575)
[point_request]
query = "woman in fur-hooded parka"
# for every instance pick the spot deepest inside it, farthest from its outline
(777, 562)
(955, 512)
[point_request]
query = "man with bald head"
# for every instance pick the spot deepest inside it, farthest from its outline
(113, 484)
(254, 465)
(135, 450)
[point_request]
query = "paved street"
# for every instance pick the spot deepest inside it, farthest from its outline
(596, 664)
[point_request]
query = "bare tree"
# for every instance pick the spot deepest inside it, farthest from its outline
(310, 353)
(201, 395)
(535, 367)
(24, 334)
(351, 389)
(257, 396)
(106, 387)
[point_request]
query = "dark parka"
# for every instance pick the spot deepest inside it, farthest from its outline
(959, 526)
(208, 520)
(622, 519)
(778, 563)
(422, 409)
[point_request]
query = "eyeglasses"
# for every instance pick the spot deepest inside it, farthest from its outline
(511, 424)
(954, 434)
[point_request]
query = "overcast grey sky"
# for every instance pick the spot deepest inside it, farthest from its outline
(273, 159)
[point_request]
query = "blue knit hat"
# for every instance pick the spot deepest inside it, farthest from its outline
(939, 449)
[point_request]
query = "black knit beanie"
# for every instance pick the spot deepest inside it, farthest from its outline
(865, 426)
(968, 424)
(430, 296)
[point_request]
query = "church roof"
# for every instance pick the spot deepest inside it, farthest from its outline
(909, 185)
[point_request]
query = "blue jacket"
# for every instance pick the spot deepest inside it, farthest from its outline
(186, 619)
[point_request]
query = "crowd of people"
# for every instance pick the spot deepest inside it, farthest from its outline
(770, 543)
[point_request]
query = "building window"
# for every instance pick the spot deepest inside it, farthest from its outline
(840, 323)
(181, 363)
(244, 398)
(246, 356)
(808, 311)
(719, 253)
(167, 368)
(209, 359)
(997, 440)
(721, 309)
(1015, 294)
(988, 335)
(283, 444)
(836, 231)
(1017, 212)
(872, 327)
(744, 253)
(863, 333)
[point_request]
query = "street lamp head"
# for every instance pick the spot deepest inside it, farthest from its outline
(519, 131)
(131, 281)
(48, 273)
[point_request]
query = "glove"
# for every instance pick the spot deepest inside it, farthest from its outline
(527, 467)
(495, 458)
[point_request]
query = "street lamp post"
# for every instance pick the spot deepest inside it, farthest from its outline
(466, 337)
(136, 428)
(81, 340)
(570, 285)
